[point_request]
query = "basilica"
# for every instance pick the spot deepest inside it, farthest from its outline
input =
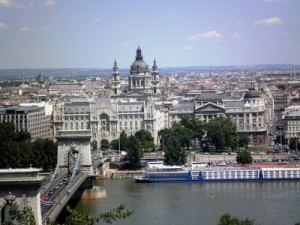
(140, 79)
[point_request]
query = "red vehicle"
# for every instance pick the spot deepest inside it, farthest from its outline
(46, 198)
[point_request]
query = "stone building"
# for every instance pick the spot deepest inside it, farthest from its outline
(105, 119)
(27, 118)
(250, 113)
(140, 80)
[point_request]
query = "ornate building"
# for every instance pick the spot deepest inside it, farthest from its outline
(250, 113)
(140, 80)
(103, 119)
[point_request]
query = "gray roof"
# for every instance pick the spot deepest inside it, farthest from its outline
(292, 114)
(209, 96)
(131, 107)
(77, 107)
(183, 105)
(234, 104)
(19, 109)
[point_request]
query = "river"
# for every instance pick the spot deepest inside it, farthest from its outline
(268, 203)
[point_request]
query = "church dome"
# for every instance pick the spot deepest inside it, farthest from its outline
(252, 93)
(139, 65)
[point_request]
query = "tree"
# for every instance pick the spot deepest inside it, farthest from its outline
(227, 219)
(222, 132)
(24, 216)
(244, 157)
(145, 138)
(185, 135)
(134, 151)
(292, 144)
(243, 140)
(114, 144)
(174, 154)
(195, 125)
(123, 141)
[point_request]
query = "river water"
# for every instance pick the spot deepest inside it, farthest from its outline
(268, 203)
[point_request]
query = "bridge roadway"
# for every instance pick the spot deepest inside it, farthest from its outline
(60, 191)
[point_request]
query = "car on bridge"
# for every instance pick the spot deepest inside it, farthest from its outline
(46, 198)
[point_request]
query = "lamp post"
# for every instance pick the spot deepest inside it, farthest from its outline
(120, 144)
(280, 129)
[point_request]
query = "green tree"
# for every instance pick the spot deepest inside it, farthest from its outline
(145, 138)
(134, 151)
(244, 157)
(195, 125)
(243, 140)
(185, 135)
(114, 144)
(292, 144)
(7, 132)
(222, 132)
(123, 141)
(227, 219)
(24, 216)
(174, 154)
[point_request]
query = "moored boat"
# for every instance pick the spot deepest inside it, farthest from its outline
(199, 172)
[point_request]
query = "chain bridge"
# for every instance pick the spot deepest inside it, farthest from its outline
(75, 170)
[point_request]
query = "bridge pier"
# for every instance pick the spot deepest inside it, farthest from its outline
(20, 187)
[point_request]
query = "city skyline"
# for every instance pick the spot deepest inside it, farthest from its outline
(86, 34)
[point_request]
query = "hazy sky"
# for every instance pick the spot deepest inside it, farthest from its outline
(93, 33)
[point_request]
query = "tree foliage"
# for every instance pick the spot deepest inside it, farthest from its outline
(222, 132)
(185, 135)
(244, 157)
(145, 138)
(293, 145)
(16, 150)
(24, 216)
(134, 151)
(227, 219)
(243, 140)
(174, 154)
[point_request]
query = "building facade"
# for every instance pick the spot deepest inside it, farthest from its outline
(103, 119)
(27, 118)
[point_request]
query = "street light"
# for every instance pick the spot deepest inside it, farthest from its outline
(280, 133)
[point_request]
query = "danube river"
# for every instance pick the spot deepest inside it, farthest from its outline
(268, 203)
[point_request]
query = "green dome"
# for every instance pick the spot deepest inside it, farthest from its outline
(252, 93)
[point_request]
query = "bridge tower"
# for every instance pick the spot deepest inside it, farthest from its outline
(20, 188)
(71, 145)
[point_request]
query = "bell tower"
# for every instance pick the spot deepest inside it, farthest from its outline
(155, 78)
(116, 87)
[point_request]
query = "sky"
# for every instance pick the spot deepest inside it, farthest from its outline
(95, 33)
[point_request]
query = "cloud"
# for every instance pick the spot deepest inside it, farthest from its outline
(124, 44)
(3, 26)
(12, 4)
(98, 20)
(188, 48)
(49, 3)
(121, 28)
(25, 29)
(210, 35)
(238, 23)
(235, 35)
(6, 3)
(270, 21)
